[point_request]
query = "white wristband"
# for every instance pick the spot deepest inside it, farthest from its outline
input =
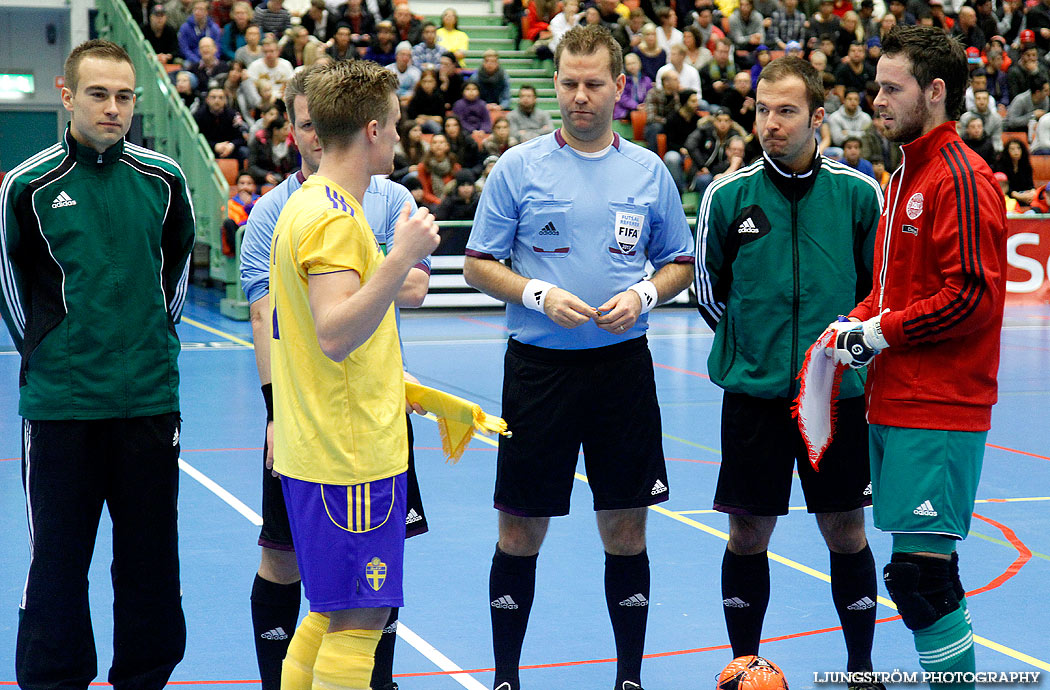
(534, 296)
(872, 329)
(647, 293)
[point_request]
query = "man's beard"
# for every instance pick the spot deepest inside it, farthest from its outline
(906, 133)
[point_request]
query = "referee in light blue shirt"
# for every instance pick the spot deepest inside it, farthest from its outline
(578, 212)
(276, 592)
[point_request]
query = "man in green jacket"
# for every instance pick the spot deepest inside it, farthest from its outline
(783, 246)
(95, 242)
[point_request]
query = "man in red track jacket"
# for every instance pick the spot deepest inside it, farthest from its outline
(933, 317)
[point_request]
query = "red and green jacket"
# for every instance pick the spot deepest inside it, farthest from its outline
(940, 271)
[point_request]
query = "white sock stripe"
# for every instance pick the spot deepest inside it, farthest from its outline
(945, 653)
(962, 641)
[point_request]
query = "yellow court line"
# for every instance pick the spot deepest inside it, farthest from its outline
(216, 331)
(692, 443)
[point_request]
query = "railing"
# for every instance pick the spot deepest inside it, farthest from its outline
(169, 128)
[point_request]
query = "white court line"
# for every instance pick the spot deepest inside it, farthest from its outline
(422, 646)
(439, 659)
(222, 493)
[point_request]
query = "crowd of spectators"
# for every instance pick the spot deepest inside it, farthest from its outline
(710, 54)
(691, 72)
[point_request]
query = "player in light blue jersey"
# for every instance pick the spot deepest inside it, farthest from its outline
(578, 212)
(276, 592)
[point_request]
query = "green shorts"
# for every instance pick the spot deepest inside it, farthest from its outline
(924, 481)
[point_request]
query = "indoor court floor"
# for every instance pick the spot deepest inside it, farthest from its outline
(445, 635)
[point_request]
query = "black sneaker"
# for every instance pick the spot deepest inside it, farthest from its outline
(388, 686)
(631, 685)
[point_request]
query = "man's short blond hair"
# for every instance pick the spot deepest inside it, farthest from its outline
(296, 86)
(346, 95)
(588, 40)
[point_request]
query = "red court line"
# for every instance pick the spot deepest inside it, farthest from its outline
(681, 371)
(486, 324)
(9, 459)
(1024, 555)
(1019, 452)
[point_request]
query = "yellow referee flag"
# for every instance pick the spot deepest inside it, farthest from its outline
(458, 419)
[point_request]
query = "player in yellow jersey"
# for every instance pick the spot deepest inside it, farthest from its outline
(340, 442)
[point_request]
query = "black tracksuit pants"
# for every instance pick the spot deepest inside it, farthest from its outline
(69, 470)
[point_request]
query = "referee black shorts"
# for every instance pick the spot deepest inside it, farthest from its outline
(557, 400)
(761, 445)
(276, 532)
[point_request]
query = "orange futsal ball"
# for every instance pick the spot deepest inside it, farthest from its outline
(752, 673)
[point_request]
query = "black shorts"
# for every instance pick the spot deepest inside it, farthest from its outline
(276, 532)
(554, 401)
(761, 444)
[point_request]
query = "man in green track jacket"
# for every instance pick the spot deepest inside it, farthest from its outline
(783, 246)
(95, 242)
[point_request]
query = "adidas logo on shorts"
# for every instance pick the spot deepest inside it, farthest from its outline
(504, 602)
(735, 603)
(658, 488)
(925, 509)
(412, 517)
(390, 629)
(861, 605)
(637, 600)
(867, 489)
(275, 634)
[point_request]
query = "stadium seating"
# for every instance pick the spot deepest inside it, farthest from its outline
(1041, 169)
(230, 168)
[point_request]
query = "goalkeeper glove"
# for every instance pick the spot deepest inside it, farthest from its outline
(856, 343)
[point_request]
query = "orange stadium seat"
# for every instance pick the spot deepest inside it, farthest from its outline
(1041, 169)
(230, 168)
(638, 124)
(1015, 136)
